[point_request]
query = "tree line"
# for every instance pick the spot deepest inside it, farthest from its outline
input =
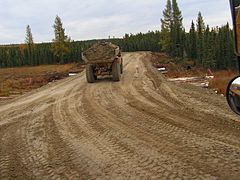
(64, 50)
(205, 46)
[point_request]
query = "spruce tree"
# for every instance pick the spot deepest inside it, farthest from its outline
(193, 42)
(208, 51)
(30, 46)
(61, 43)
(177, 47)
(227, 46)
(29, 37)
(200, 38)
(166, 25)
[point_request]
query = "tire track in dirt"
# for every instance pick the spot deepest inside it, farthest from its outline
(153, 125)
(142, 127)
(111, 102)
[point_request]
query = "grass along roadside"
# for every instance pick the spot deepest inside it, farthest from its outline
(16, 81)
(218, 80)
(221, 79)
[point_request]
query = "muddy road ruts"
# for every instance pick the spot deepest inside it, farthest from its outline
(142, 127)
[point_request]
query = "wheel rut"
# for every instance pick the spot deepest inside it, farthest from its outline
(142, 127)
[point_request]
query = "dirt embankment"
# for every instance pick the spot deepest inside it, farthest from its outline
(142, 127)
(188, 72)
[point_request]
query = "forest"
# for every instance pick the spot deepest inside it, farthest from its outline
(208, 47)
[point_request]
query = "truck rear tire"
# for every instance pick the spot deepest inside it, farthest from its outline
(116, 71)
(90, 74)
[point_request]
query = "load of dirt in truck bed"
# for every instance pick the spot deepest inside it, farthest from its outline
(101, 51)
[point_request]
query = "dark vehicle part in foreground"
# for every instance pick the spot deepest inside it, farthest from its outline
(233, 90)
(233, 95)
(103, 58)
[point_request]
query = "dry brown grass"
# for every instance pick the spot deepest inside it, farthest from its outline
(221, 80)
(14, 81)
(218, 83)
(26, 71)
(176, 70)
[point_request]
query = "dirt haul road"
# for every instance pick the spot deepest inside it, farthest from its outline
(140, 128)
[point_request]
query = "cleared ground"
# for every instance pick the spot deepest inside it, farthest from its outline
(19, 80)
(140, 128)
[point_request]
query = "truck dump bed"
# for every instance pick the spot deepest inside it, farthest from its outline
(102, 52)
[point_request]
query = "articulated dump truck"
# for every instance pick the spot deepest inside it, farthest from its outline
(102, 59)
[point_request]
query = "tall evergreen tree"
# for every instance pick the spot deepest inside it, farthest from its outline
(29, 36)
(166, 25)
(192, 42)
(177, 47)
(200, 38)
(207, 51)
(61, 43)
(226, 39)
(30, 46)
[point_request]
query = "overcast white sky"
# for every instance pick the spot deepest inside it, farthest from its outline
(236, 81)
(90, 19)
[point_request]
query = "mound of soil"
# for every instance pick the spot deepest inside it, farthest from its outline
(101, 51)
